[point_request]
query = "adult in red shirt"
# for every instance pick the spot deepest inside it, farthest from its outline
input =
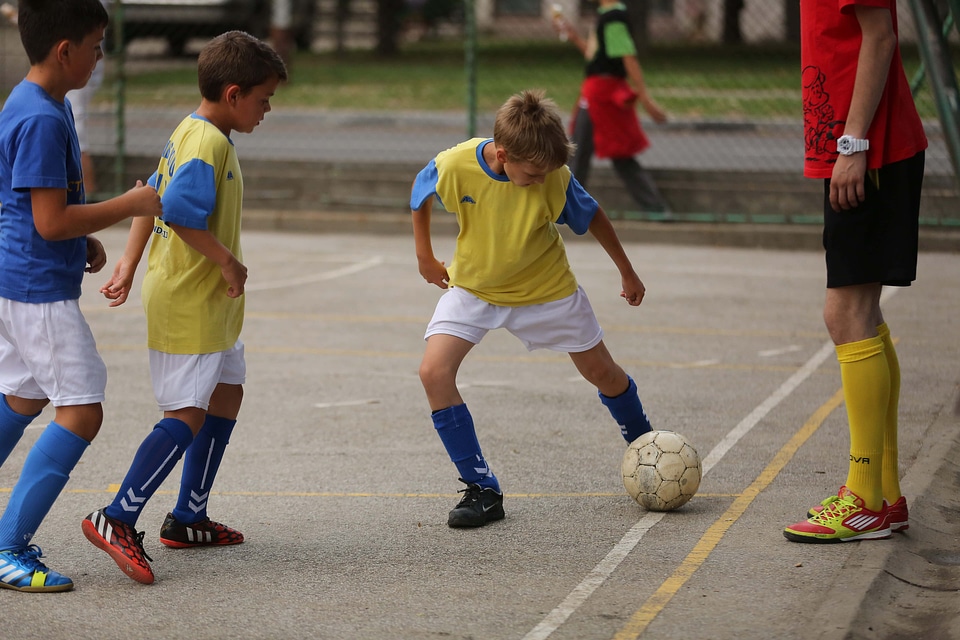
(862, 136)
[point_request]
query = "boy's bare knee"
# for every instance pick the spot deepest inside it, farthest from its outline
(82, 420)
(433, 375)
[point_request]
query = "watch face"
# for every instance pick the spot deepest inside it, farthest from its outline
(844, 145)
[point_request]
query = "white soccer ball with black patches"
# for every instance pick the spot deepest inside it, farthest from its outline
(661, 470)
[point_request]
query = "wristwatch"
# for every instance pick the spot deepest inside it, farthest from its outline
(848, 145)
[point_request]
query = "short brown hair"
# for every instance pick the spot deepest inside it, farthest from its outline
(529, 128)
(236, 57)
(44, 23)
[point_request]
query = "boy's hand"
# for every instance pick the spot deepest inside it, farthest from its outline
(434, 272)
(633, 290)
(562, 26)
(118, 287)
(656, 112)
(144, 201)
(235, 273)
(96, 255)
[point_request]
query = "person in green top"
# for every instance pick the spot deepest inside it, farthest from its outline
(605, 121)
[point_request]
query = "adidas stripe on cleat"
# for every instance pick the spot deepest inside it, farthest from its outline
(23, 571)
(205, 533)
(121, 542)
(842, 520)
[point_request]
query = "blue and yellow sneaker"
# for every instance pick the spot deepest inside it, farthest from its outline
(23, 571)
(841, 520)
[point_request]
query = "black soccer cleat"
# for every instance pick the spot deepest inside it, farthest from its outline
(478, 506)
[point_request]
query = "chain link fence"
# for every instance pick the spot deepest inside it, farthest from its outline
(380, 86)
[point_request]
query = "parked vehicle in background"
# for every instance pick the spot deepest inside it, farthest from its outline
(178, 21)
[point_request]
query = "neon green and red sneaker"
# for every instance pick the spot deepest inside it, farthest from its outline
(899, 516)
(842, 520)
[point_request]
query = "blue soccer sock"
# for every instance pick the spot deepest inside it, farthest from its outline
(44, 475)
(627, 410)
(12, 426)
(155, 459)
(200, 465)
(454, 425)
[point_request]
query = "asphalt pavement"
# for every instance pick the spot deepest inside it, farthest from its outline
(338, 481)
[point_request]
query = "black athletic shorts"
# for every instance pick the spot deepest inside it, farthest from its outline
(876, 241)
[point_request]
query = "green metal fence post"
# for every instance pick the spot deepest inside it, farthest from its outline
(120, 55)
(943, 81)
(470, 56)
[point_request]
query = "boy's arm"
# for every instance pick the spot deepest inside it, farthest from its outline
(201, 240)
(873, 65)
(635, 75)
(602, 229)
(118, 287)
(57, 220)
(432, 270)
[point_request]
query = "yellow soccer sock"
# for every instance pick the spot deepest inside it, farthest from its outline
(891, 456)
(866, 391)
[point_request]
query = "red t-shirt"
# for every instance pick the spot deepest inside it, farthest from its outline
(830, 46)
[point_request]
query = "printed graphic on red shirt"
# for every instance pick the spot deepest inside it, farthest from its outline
(819, 118)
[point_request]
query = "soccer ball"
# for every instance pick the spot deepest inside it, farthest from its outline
(661, 470)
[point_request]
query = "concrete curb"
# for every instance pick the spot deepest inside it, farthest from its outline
(908, 585)
(762, 236)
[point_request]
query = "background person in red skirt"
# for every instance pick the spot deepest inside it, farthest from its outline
(605, 121)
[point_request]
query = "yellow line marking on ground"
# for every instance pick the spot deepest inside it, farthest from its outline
(711, 538)
(113, 488)
(423, 320)
(544, 359)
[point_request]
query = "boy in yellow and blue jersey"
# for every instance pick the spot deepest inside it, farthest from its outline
(193, 297)
(510, 270)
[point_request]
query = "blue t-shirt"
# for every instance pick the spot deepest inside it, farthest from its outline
(38, 149)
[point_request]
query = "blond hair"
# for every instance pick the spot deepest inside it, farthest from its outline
(529, 128)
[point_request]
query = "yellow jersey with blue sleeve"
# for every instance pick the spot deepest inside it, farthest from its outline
(509, 251)
(184, 293)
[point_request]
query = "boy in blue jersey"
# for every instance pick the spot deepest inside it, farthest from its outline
(193, 298)
(510, 270)
(47, 352)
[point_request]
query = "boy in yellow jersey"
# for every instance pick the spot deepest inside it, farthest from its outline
(863, 137)
(510, 271)
(193, 297)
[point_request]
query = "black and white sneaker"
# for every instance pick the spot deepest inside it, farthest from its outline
(478, 506)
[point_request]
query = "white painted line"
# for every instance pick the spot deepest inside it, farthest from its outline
(769, 353)
(609, 564)
(760, 412)
(345, 403)
(482, 383)
(595, 578)
(318, 277)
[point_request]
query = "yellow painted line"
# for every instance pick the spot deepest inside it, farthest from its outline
(423, 320)
(711, 538)
(545, 359)
(113, 488)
